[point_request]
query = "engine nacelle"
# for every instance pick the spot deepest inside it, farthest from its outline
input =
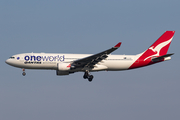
(63, 66)
(62, 72)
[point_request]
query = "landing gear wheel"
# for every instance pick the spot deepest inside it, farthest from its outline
(85, 77)
(23, 73)
(86, 74)
(90, 78)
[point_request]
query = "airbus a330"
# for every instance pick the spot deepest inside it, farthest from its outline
(66, 64)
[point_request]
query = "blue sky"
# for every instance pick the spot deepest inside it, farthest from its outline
(88, 26)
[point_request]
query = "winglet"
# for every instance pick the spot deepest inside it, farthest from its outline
(118, 45)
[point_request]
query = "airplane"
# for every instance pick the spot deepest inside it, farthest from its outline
(66, 64)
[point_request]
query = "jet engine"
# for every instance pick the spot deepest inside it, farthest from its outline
(63, 68)
(62, 72)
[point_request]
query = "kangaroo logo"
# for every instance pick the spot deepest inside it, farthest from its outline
(156, 49)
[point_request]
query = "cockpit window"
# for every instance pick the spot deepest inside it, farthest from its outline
(12, 57)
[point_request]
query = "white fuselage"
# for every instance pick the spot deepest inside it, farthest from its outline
(65, 64)
(50, 61)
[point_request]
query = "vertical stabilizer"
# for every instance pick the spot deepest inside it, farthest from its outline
(157, 49)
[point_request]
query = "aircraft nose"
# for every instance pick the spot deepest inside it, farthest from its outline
(7, 61)
(11, 62)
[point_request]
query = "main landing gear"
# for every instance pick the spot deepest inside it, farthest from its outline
(23, 72)
(88, 76)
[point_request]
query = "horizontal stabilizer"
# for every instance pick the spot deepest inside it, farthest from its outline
(161, 57)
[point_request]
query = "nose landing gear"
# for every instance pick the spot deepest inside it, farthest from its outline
(88, 76)
(23, 72)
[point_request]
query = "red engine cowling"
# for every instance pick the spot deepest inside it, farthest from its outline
(63, 68)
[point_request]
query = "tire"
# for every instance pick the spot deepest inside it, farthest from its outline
(90, 78)
(85, 75)
(23, 73)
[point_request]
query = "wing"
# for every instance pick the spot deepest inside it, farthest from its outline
(90, 61)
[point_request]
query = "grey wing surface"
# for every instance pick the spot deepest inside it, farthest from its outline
(90, 61)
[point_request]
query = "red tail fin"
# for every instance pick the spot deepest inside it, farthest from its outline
(159, 48)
